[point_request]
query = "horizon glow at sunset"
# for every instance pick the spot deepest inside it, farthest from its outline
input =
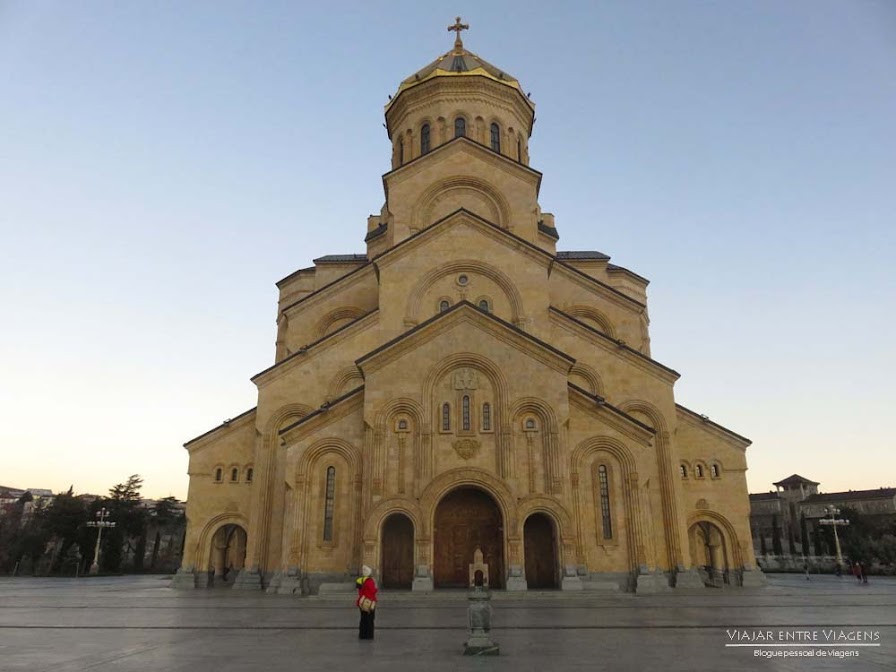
(163, 166)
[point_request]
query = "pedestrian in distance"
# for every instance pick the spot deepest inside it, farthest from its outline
(857, 571)
(864, 571)
(806, 568)
(366, 602)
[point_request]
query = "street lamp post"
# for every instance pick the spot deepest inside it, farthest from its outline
(834, 522)
(100, 523)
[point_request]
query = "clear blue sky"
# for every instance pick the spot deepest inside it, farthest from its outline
(162, 164)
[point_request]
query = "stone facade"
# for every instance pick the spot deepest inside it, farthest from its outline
(464, 385)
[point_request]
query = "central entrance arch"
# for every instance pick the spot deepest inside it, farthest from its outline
(465, 519)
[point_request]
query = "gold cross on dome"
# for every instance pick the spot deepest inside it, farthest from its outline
(457, 27)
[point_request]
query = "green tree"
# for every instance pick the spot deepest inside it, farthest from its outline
(776, 537)
(163, 515)
(64, 520)
(129, 517)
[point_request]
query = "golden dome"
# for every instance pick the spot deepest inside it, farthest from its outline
(459, 63)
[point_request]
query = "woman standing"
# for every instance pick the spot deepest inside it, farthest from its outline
(366, 602)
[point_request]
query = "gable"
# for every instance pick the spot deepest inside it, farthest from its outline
(465, 328)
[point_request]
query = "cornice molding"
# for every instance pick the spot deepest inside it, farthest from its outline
(212, 435)
(460, 314)
(327, 414)
(614, 347)
(339, 284)
(703, 423)
(619, 420)
(443, 151)
(315, 348)
(444, 88)
(474, 222)
(597, 287)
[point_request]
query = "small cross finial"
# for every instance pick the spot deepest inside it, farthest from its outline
(457, 27)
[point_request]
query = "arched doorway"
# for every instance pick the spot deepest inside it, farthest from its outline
(539, 543)
(397, 543)
(465, 519)
(228, 553)
(709, 553)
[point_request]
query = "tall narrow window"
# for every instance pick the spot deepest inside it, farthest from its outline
(519, 150)
(424, 139)
(683, 470)
(496, 137)
(446, 417)
(466, 413)
(604, 479)
(234, 475)
(714, 470)
(401, 151)
(250, 472)
(330, 503)
(460, 127)
(219, 474)
(699, 470)
(487, 416)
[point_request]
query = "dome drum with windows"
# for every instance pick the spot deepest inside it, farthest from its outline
(459, 94)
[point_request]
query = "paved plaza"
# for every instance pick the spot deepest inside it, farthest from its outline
(140, 623)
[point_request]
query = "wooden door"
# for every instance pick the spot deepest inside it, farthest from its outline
(398, 552)
(466, 519)
(540, 551)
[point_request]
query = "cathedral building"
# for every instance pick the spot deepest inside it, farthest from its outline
(464, 385)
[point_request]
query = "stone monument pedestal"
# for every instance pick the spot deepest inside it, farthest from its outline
(480, 612)
(185, 579)
(422, 580)
(689, 578)
(247, 579)
(753, 578)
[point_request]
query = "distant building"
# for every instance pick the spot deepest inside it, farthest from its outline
(784, 522)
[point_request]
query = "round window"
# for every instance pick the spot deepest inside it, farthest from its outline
(462, 280)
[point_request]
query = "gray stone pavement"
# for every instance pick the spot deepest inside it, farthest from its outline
(140, 623)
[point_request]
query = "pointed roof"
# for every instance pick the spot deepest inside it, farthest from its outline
(459, 62)
(795, 479)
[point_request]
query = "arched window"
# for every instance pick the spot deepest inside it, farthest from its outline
(460, 127)
(714, 471)
(444, 305)
(234, 475)
(699, 470)
(330, 503)
(219, 474)
(604, 479)
(496, 137)
(519, 150)
(530, 423)
(424, 139)
(465, 407)
(483, 305)
(402, 425)
(487, 416)
(683, 469)
(249, 473)
(401, 151)
(446, 417)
